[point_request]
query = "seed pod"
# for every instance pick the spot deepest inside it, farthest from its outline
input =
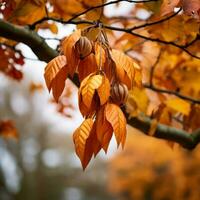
(119, 93)
(83, 47)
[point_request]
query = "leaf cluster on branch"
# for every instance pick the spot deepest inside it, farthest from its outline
(164, 90)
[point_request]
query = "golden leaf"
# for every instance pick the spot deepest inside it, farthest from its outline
(178, 105)
(137, 101)
(116, 118)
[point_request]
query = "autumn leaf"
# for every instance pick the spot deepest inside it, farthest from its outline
(88, 90)
(104, 91)
(55, 75)
(178, 105)
(125, 67)
(68, 46)
(82, 142)
(117, 120)
(87, 66)
(104, 129)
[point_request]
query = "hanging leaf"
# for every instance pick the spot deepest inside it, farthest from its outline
(68, 46)
(87, 66)
(58, 83)
(88, 90)
(116, 118)
(104, 91)
(52, 70)
(82, 142)
(125, 67)
(104, 129)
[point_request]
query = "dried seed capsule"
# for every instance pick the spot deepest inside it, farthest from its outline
(119, 93)
(83, 47)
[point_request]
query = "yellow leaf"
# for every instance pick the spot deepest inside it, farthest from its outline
(178, 105)
(116, 118)
(137, 100)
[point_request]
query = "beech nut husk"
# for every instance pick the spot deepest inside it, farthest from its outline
(119, 93)
(83, 47)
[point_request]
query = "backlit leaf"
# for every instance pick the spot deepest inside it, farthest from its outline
(116, 118)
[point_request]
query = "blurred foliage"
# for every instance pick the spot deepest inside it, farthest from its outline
(150, 169)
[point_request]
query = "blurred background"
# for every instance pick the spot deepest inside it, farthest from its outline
(41, 164)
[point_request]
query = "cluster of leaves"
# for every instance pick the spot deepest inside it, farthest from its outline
(106, 75)
(147, 169)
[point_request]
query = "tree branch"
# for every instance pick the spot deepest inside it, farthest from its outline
(46, 53)
(28, 37)
(185, 139)
(160, 90)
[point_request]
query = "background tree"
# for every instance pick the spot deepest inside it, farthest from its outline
(161, 36)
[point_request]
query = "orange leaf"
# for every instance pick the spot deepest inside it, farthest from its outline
(87, 66)
(116, 118)
(100, 55)
(104, 130)
(125, 67)
(52, 69)
(82, 142)
(58, 83)
(88, 90)
(69, 51)
(104, 91)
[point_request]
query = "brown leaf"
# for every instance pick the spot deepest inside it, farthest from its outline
(116, 118)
